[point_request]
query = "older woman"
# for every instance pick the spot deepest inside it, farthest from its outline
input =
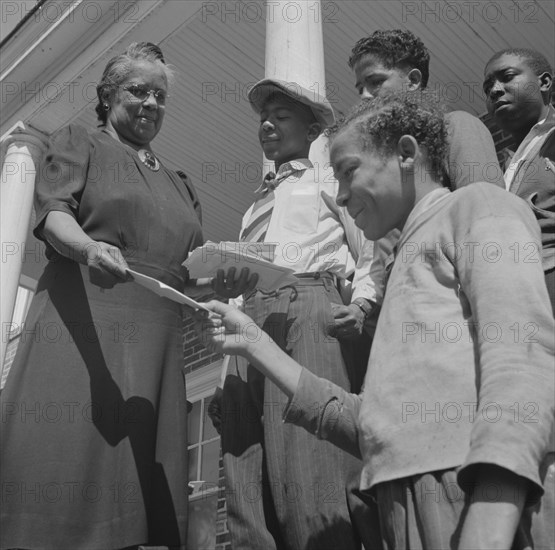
(94, 447)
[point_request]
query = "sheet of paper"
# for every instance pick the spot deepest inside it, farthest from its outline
(164, 290)
(206, 260)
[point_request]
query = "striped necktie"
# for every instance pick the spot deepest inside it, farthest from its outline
(257, 226)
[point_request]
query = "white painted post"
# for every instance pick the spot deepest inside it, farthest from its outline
(295, 53)
(23, 148)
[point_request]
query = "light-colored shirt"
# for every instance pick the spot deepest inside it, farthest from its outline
(461, 370)
(312, 233)
(537, 134)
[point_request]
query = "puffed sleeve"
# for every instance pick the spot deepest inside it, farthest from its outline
(192, 193)
(62, 175)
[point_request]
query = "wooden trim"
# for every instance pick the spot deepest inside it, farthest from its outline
(202, 382)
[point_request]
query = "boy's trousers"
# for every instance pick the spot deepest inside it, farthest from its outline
(285, 489)
(426, 512)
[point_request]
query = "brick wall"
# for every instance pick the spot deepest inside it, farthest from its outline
(196, 357)
(500, 138)
(222, 532)
(195, 354)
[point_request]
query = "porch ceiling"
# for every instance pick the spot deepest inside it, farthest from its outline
(209, 129)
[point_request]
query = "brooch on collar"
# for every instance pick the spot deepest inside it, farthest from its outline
(149, 160)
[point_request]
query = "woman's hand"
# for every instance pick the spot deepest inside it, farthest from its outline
(227, 330)
(226, 285)
(105, 261)
(106, 264)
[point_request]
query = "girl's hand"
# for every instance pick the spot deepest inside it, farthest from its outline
(227, 330)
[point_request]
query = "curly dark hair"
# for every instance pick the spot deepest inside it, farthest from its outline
(396, 49)
(119, 67)
(382, 121)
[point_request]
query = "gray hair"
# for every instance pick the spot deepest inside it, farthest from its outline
(119, 67)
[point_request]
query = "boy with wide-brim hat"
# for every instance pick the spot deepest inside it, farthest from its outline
(300, 482)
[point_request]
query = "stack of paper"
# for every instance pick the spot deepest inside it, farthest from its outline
(206, 260)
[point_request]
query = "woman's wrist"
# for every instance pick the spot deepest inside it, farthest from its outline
(90, 251)
(67, 237)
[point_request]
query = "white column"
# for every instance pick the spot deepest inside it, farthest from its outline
(294, 43)
(295, 52)
(23, 148)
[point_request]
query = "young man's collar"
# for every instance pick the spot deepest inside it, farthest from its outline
(424, 204)
(549, 119)
(545, 124)
(284, 171)
(294, 165)
(540, 128)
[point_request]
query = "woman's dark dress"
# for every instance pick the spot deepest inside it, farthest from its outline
(94, 443)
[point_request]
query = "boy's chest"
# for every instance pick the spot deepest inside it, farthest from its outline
(422, 268)
(534, 178)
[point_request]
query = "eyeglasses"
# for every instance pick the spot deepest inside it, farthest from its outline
(142, 93)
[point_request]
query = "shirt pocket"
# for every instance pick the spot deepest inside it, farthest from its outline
(303, 210)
